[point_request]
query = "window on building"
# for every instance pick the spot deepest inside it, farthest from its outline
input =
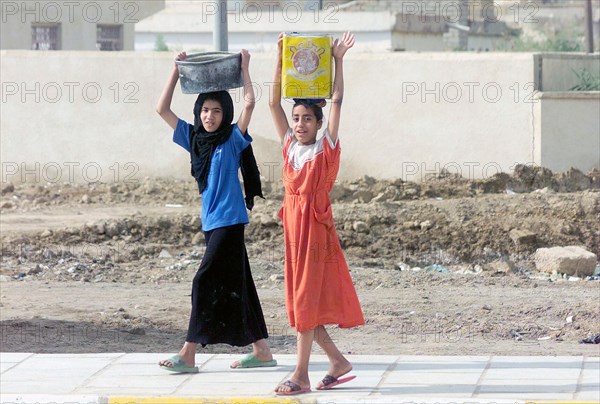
(109, 37)
(45, 36)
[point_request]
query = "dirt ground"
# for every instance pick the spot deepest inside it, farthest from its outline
(444, 267)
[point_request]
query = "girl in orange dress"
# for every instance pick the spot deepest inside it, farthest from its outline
(318, 286)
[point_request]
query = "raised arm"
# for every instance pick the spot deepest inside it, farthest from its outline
(339, 49)
(164, 102)
(277, 112)
(249, 99)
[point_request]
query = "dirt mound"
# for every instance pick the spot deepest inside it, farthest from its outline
(444, 261)
(446, 220)
(157, 191)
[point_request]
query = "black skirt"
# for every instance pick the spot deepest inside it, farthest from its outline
(225, 305)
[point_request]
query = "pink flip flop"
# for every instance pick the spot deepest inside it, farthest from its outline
(295, 389)
(331, 381)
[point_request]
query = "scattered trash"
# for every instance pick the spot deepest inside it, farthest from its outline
(574, 278)
(467, 269)
(173, 205)
(437, 268)
(401, 266)
(570, 319)
(595, 339)
(516, 335)
(164, 254)
(546, 338)
(177, 267)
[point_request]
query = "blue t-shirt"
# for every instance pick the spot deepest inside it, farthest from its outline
(222, 199)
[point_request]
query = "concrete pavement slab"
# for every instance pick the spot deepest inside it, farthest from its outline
(136, 378)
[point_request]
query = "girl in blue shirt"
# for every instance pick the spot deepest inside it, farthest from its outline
(225, 305)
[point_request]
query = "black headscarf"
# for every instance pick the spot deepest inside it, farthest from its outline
(203, 143)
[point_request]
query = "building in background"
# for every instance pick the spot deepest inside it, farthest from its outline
(255, 25)
(73, 25)
(393, 25)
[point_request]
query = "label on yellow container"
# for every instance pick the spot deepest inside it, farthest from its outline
(306, 66)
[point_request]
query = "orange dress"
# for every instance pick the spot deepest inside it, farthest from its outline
(318, 286)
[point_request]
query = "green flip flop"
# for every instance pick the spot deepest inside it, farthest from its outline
(250, 361)
(179, 366)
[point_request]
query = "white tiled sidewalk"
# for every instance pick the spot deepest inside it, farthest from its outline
(109, 378)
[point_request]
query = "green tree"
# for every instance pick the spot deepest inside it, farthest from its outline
(567, 40)
(159, 43)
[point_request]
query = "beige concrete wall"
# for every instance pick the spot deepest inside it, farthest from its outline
(410, 114)
(86, 114)
(567, 130)
(82, 114)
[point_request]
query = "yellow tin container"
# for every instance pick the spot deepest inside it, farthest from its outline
(306, 66)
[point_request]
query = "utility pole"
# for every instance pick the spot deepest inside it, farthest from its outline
(220, 42)
(589, 27)
(463, 36)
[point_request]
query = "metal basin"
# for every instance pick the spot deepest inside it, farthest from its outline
(210, 71)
